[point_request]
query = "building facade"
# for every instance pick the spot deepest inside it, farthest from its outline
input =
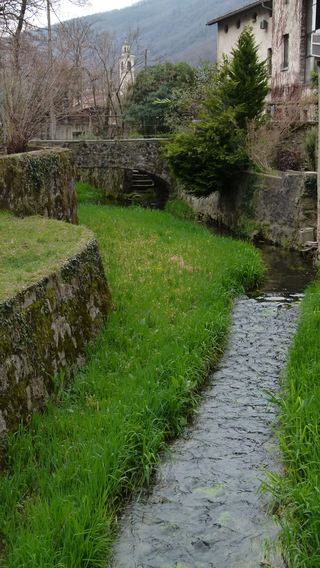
(283, 30)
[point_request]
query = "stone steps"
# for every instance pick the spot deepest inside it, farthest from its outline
(141, 182)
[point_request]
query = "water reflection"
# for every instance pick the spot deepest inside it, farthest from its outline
(288, 272)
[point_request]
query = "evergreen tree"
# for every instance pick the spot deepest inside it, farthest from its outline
(205, 156)
(152, 84)
(247, 86)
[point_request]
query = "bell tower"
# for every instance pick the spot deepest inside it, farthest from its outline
(126, 67)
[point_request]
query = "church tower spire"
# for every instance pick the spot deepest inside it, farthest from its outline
(126, 67)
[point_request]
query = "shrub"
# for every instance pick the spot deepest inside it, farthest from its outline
(311, 148)
(206, 155)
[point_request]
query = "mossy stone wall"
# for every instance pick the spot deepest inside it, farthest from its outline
(46, 328)
(40, 182)
(110, 181)
(276, 206)
(144, 155)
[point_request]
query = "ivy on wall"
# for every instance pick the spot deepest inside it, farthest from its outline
(40, 182)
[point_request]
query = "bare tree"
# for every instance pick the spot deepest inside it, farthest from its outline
(29, 94)
(33, 85)
(41, 84)
(15, 16)
(95, 81)
(266, 139)
(72, 48)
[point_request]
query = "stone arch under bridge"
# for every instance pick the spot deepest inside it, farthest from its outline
(141, 154)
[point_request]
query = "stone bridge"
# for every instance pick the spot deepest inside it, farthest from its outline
(140, 154)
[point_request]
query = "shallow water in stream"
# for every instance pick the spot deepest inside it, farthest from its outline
(202, 510)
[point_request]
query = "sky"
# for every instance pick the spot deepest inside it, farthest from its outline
(68, 10)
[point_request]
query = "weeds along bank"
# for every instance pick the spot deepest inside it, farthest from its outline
(172, 284)
(296, 496)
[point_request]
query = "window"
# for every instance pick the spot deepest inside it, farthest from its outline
(226, 28)
(238, 24)
(254, 17)
(285, 63)
(129, 66)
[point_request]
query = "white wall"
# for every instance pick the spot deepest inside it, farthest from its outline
(226, 41)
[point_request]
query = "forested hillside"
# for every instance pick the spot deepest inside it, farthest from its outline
(169, 29)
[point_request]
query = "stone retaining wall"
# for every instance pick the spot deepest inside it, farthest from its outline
(40, 182)
(277, 206)
(144, 155)
(110, 181)
(47, 327)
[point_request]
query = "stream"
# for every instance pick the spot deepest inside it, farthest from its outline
(202, 510)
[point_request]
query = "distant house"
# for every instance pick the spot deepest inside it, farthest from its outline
(282, 29)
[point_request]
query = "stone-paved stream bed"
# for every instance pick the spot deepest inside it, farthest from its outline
(202, 511)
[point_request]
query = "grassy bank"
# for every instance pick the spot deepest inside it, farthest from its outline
(297, 495)
(181, 210)
(172, 284)
(33, 247)
(87, 193)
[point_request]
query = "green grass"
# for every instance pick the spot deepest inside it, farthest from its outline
(33, 247)
(85, 192)
(67, 474)
(296, 496)
(180, 209)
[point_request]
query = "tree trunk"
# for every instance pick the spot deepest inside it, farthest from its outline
(17, 34)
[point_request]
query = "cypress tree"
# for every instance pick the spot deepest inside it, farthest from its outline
(207, 155)
(247, 87)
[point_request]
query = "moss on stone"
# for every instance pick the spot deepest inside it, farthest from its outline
(39, 182)
(51, 332)
(310, 186)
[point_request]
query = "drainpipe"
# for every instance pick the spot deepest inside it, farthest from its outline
(266, 7)
(318, 176)
(3, 124)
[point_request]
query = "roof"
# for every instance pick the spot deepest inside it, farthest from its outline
(237, 11)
